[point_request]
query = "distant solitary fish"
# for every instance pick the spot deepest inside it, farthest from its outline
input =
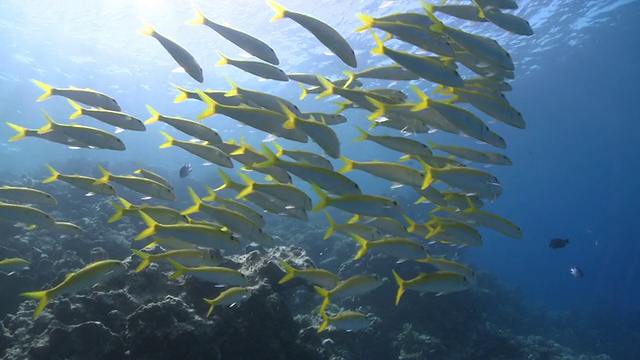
(558, 243)
(576, 272)
(185, 170)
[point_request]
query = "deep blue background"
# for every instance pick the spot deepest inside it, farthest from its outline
(576, 175)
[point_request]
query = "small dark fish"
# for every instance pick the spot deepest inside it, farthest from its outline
(558, 243)
(185, 170)
(576, 272)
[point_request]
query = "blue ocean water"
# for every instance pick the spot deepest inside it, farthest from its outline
(575, 166)
(574, 171)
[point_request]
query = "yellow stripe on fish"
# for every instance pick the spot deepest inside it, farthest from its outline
(87, 135)
(26, 195)
(321, 277)
(246, 42)
(195, 129)
(88, 276)
(142, 185)
(177, 52)
(323, 32)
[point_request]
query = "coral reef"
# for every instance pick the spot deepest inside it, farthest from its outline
(146, 316)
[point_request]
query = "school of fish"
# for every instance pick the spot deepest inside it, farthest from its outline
(443, 176)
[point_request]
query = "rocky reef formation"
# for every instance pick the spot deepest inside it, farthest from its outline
(146, 316)
(143, 316)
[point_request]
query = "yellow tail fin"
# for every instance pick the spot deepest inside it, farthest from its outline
(169, 142)
(22, 132)
(281, 12)
(152, 224)
(348, 165)
(212, 194)
(304, 93)
(200, 19)
(239, 151)
(332, 226)
(447, 91)
(328, 85)
(437, 25)
(155, 116)
(292, 119)
(119, 213)
(429, 178)
(364, 134)
(146, 259)
(401, 286)
(226, 183)
(148, 29)
(368, 23)
(380, 49)
(196, 203)
(324, 199)
(364, 246)
(54, 175)
(324, 293)
(50, 124)
(179, 270)
(184, 94)
(279, 148)
(212, 303)
(412, 224)
(325, 322)
(291, 272)
(78, 109)
(43, 296)
(48, 90)
(105, 176)
(127, 205)
(223, 61)
(381, 108)
(212, 105)
(435, 231)
(351, 76)
(272, 159)
(235, 89)
(250, 186)
(428, 7)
